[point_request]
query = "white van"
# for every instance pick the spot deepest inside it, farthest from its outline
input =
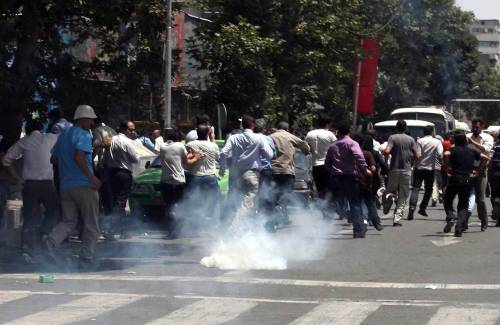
(415, 128)
(443, 121)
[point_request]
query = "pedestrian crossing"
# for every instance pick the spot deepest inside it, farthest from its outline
(90, 307)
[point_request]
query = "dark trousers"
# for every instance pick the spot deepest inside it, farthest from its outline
(457, 186)
(283, 188)
(421, 176)
(36, 193)
(120, 182)
(321, 177)
(346, 187)
(265, 198)
(368, 198)
(172, 194)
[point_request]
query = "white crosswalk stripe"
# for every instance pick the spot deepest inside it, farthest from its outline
(76, 310)
(86, 306)
(11, 296)
(206, 312)
(469, 316)
(339, 313)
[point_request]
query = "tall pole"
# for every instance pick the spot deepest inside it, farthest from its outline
(356, 94)
(167, 104)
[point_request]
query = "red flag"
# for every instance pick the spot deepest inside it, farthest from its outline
(368, 75)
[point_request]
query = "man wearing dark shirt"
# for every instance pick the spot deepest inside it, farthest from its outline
(459, 161)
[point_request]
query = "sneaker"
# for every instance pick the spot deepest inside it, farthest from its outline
(484, 225)
(448, 227)
(397, 224)
(458, 234)
(389, 200)
(423, 213)
(434, 203)
(359, 235)
(410, 214)
(379, 227)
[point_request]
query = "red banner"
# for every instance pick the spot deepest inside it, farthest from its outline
(368, 75)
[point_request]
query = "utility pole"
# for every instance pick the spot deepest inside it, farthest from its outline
(356, 93)
(167, 104)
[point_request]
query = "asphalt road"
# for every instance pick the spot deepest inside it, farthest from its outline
(409, 275)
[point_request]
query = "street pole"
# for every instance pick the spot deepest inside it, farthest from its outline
(167, 104)
(356, 95)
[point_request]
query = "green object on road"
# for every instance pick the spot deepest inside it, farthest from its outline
(47, 278)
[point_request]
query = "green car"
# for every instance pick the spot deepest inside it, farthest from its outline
(145, 196)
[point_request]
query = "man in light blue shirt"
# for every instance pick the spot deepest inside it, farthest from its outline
(246, 151)
(79, 197)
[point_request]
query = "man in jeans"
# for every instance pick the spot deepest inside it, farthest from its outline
(246, 150)
(430, 150)
(403, 151)
(482, 142)
(79, 196)
(283, 167)
(120, 159)
(38, 185)
(343, 159)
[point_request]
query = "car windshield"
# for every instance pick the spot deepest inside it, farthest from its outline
(438, 120)
(414, 131)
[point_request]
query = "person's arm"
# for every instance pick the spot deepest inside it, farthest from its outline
(224, 154)
(82, 165)
(265, 149)
(446, 161)
(416, 151)
(193, 156)
(328, 160)
(359, 158)
(300, 144)
(15, 152)
(388, 148)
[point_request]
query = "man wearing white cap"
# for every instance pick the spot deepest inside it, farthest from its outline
(79, 197)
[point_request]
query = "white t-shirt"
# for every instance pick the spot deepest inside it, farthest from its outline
(320, 140)
(431, 149)
(158, 142)
(207, 165)
(172, 155)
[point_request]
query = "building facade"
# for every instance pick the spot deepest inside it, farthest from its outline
(487, 32)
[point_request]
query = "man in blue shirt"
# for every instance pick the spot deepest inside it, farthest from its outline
(79, 197)
(246, 151)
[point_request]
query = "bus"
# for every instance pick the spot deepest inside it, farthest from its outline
(443, 121)
(414, 128)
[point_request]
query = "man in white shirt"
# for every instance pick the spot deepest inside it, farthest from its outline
(173, 155)
(119, 159)
(319, 140)
(201, 120)
(38, 184)
(158, 140)
(430, 150)
(482, 142)
(246, 151)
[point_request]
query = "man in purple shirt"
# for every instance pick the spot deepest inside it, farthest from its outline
(343, 159)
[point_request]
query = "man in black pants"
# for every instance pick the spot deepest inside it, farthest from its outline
(430, 150)
(119, 159)
(459, 161)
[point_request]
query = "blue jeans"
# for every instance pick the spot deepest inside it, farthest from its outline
(345, 187)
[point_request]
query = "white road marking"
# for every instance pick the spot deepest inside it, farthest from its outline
(446, 241)
(471, 316)
(260, 281)
(76, 310)
(206, 312)
(249, 299)
(7, 296)
(338, 313)
(344, 232)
